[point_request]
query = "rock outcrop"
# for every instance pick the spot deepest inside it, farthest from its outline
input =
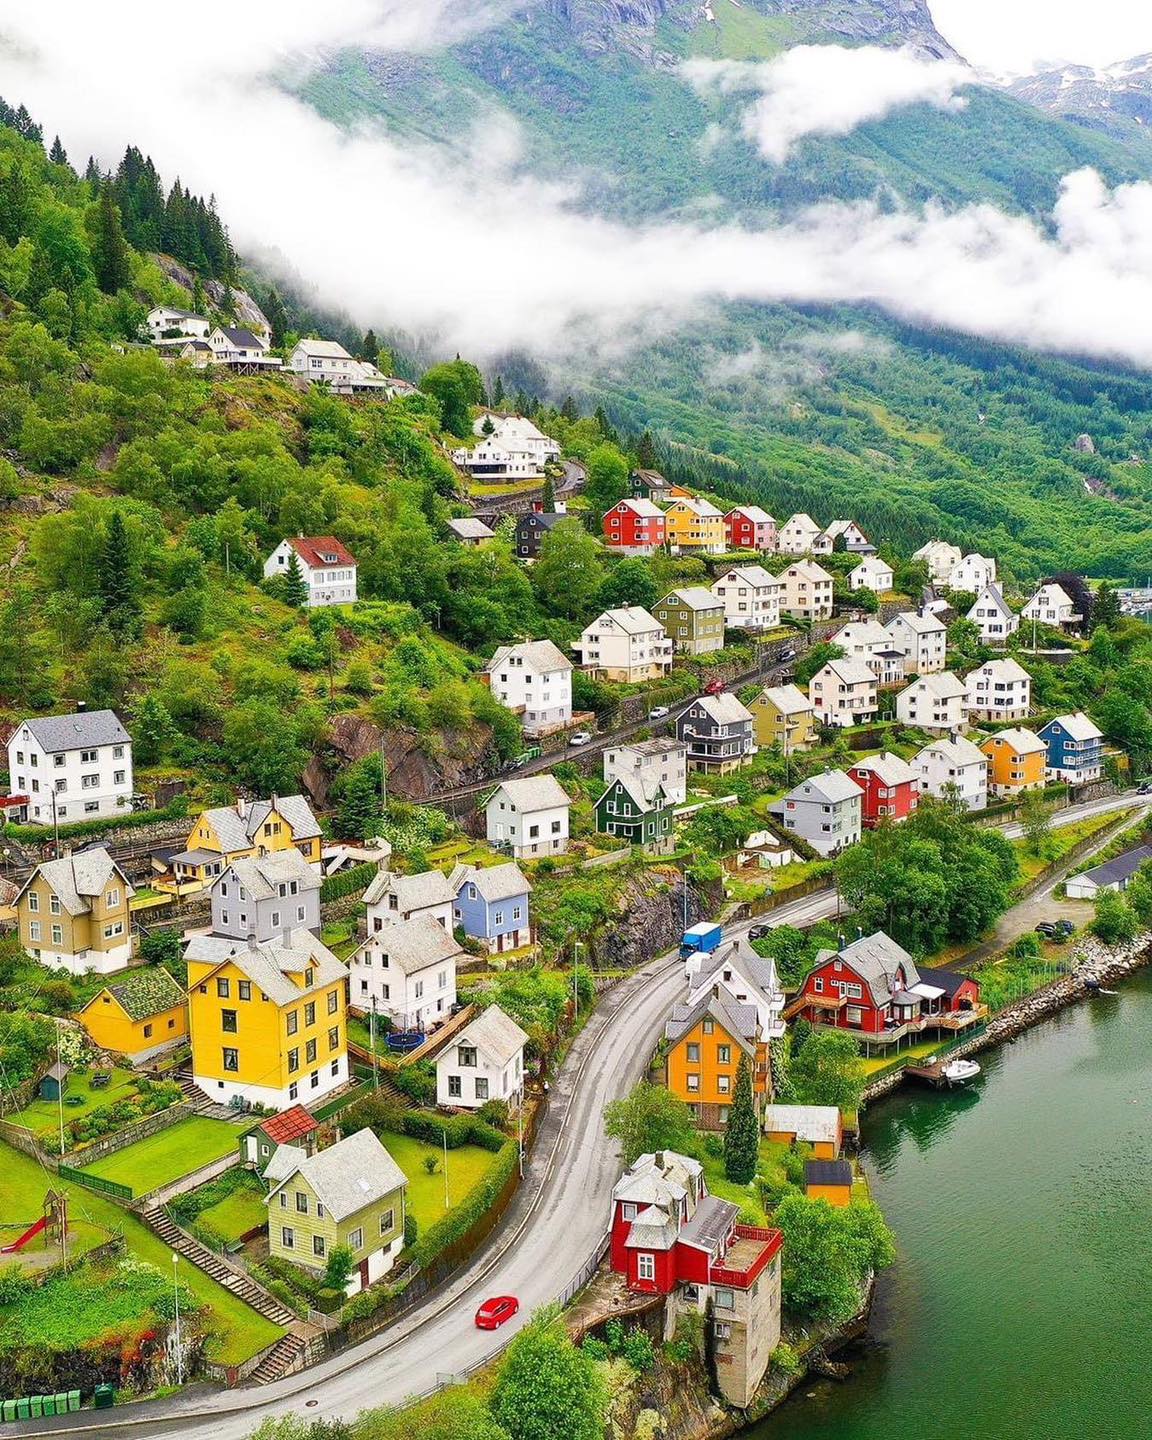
(418, 765)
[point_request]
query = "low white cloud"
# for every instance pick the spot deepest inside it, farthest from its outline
(827, 90)
(463, 245)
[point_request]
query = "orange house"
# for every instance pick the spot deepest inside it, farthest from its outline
(1017, 761)
(706, 1044)
(829, 1180)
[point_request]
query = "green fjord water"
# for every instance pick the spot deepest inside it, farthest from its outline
(1020, 1307)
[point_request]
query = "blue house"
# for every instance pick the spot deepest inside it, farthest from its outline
(1075, 749)
(491, 905)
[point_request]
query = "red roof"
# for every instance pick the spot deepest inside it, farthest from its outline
(319, 550)
(289, 1125)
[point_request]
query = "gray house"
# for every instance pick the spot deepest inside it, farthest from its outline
(265, 896)
(824, 810)
(717, 730)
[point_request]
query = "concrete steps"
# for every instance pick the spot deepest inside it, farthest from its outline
(285, 1357)
(199, 1101)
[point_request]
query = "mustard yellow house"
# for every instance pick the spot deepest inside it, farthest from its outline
(268, 1022)
(72, 914)
(783, 718)
(139, 1015)
(705, 1044)
(240, 832)
(695, 527)
(1017, 761)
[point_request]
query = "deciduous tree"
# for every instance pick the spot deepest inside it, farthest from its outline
(547, 1388)
(650, 1118)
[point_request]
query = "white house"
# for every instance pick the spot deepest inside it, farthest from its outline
(934, 702)
(843, 693)
(745, 978)
(921, 639)
(806, 591)
(994, 617)
(326, 362)
(406, 969)
(797, 535)
(751, 598)
(846, 535)
(406, 897)
(233, 345)
(627, 644)
(328, 568)
(534, 680)
(661, 761)
(862, 639)
(954, 766)
(940, 557)
(514, 450)
(1052, 605)
(973, 572)
(528, 817)
(72, 767)
(164, 322)
(999, 690)
(872, 574)
(485, 1061)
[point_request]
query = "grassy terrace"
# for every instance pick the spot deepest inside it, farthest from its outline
(239, 1331)
(167, 1155)
(238, 1213)
(42, 1117)
(467, 1166)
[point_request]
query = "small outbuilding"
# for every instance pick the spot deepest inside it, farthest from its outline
(829, 1180)
(55, 1082)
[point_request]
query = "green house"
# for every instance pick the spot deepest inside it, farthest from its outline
(350, 1194)
(638, 813)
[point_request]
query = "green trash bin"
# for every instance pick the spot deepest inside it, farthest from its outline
(73, 1401)
(62, 1402)
(8, 1411)
(24, 1408)
(104, 1397)
(48, 1404)
(37, 1406)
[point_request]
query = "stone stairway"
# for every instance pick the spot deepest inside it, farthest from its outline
(285, 1357)
(199, 1101)
(242, 1286)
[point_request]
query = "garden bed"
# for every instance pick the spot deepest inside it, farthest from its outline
(42, 1117)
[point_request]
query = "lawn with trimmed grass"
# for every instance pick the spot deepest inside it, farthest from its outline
(237, 1213)
(42, 1117)
(240, 1331)
(769, 1168)
(168, 1154)
(467, 1166)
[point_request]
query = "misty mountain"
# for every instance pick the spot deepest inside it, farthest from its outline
(1116, 100)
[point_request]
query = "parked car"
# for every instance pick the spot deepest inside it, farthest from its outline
(1066, 927)
(758, 932)
(496, 1312)
(789, 654)
(1145, 789)
(714, 687)
(1047, 928)
(657, 712)
(581, 737)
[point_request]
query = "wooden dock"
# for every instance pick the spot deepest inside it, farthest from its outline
(932, 1074)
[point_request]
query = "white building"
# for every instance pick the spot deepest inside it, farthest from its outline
(806, 591)
(972, 573)
(993, 616)
(328, 568)
(846, 535)
(744, 977)
(843, 693)
(165, 322)
(940, 557)
(934, 702)
(751, 598)
(485, 1061)
(659, 762)
(862, 639)
(514, 450)
(528, 817)
(72, 767)
(921, 639)
(406, 969)
(407, 897)
(954, 766)
(1052, 605)
(533, 680)
(240, 348)
(872, 574)
(327, 363)
(825, 810)
(999, 690)
(628, 644)
(797, 535)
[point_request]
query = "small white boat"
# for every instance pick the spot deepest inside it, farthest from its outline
(959, 1072)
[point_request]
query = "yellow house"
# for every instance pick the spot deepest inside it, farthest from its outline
(72, 914)
(706, 1043)
(240, 832)
(268, 1021)
(137, 1016)
(694, 525)
(829, 1180)
(783, 718)
(350, 1194)
(1017, 761)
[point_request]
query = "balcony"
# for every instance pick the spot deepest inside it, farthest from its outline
(748, 1256)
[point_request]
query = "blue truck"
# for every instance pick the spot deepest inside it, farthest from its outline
(705, 937)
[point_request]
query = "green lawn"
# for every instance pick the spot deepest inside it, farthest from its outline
(42, 1117)
(170, 1153)
(237, 1213)
(240, 1331)
(466, 1167)
(770, 1168)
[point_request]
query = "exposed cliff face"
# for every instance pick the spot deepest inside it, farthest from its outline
(418, 765)
(876, 22)
(1117, 99)
(621, 26)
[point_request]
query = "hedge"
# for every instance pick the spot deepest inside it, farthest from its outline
(456, 1130)
(476, 1204)
(348, 882)
(178, 810)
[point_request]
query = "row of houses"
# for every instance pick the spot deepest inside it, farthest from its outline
(1050, 605)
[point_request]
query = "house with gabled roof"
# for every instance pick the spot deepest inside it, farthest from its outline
(824, 810)
(872, 574)
(73, 913)
(528, 817)
(742, 977)
(635, 811)
(327, 565)
(403, 897)
(406, 970)
(922, 639)
(704, 1044)
(266, 894)
(1000, 689)
(241, 349)
(71, 767)
(166, 322)
(750, 527)
(533, 679)
(806, 591)
(694, 527)
(626, 644)
(820, 1126)
(939, 556)
(953, 767)
(797, 535)
(533, 528)
(751, 598)
(294, 1126)
(1017, 761)
(138, 1016)
(235, 832)
(843, 693)
(891, 788)
(843, 535)
(936, 702)
(972, 573)
(1075, 748)
(783, 717)
(993, 616)
(1052, 605)
(717, 729)
(693, 619)
(482, 1062)
(661, 761)
(491, 905)
(635, 526)
(471, 531)
(324, 362)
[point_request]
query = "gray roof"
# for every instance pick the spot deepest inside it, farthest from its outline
(77, 879)
(493, 882)
(956, 748)
(262, 875)
(942, 684)
(739, 954)
(242, 339)
(1123, 867)
(754, 575)
(641, 791)
(632, 619)
(658, 745)
(740, 1021)
(831, 786)
(723, 709)
(269, 965)
(991, 594)
(533, 792)
(1076, 727)
(355, 1172)
(413, 892)
(469, 528)
(237, 832)
(84, 730)
(285, 1161)
(541, 656)
(495, 1034)
(413, 944)
(695, 597)
(653, 1229)
(918, 624)
(876, 958)
(889, 768)
(850, 671)
(788, 699)
(1000, 669)
(806, 1122)
(710, 1225)
(658, 1180)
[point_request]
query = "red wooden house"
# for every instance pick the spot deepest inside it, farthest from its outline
(748, 527)
(875, 988)
(635, 525)
(891, 788)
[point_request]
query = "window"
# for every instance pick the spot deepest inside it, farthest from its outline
(455, 1087)
(293, 1021)
(725, 1297)
(310, 1052)
(645, 1267)
(275, 919)
(301, 1202)
(467, 1055)
(228, 1021)
(293, 1061)
(333, 1001)
(245, 990)
(387, 1222)
(709, 1026)
(231, 1060)
(309, 978)
(693, 1084)
(334, 1037)
(724, 1084)
(53, 904)
(318, 1246)
(222, 989)
(724, 1054)
(356, 1239)
(34, 902)
(57, 934)
(310, 1013)
(287, 1237)
(481, 1088)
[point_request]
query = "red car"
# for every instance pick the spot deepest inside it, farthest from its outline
(714, 687)
(493, 1313)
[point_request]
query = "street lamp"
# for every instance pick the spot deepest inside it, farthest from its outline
(179, 1337)
(577, 945)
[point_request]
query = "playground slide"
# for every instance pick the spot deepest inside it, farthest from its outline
(23, 1240)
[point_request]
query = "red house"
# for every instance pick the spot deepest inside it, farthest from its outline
(874, 987)
(891, 788)
(635, 525)
(750, 528)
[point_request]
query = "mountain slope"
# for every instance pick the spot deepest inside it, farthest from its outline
(1116, 100)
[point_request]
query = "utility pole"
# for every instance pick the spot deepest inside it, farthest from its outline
(372, 1043)
(383, 780)
(577, 946)
(59, 1086)
(179, 1337)
(55, 823)
(447, 1200)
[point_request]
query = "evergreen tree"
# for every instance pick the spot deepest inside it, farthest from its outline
(295, 586)
(1106, 610)
(58, 155)
(15, 205)
(276, 313)
(370, 348)
(569, 411)
(742, 1132)
(199, 298)
(606, 428)
(119, 597)
(549, 496)
(110, 254)
(498, 392)
(646, 452)
(92, 174)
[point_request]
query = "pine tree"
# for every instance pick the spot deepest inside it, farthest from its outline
(549, 496)
(742, 1133)
(199, 299)
(119, 600)
(646, 452)
(110, 254)
(569, 411)
(58, 155)
(295, 586)
(606, 427)
(276, 313)
(370, 348)
(498, 392)
(15, 205)
(92, 174)
(1106, 610)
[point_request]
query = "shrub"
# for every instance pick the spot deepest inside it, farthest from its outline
(411, 1231)
(786, 1360)
(348, 882)
(456, 1129)
(494, 1113)
(417, 1081)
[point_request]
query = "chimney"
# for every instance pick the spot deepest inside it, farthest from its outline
(252, 940)
(660, 1159)
(241, 807)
